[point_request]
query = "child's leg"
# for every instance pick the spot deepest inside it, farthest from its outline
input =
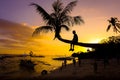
(71, 47)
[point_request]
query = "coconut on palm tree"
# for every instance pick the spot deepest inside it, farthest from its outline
(114, 22)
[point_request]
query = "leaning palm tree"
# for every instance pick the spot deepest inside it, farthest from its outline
(114, 22)
(58, 19)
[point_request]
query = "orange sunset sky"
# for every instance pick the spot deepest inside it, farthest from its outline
(18, 20)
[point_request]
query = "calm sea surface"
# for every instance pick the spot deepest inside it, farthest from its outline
(9, 67)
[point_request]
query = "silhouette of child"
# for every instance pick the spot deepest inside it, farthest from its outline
(74, 61)
(65, 62)
(74, 40)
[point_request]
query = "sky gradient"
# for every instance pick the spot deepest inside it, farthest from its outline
(94, 12)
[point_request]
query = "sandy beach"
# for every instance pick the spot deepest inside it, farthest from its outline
(85, 72)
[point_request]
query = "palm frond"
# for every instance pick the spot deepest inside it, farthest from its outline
(42, 29)
(78, 20)
(115, 29)
(114, 22)
(57, 6)
(53, 15)
(109, 21)
(108, 28)
(41, 11)
(118, 25)
(65, 27)
(66, 19)
(69, 7)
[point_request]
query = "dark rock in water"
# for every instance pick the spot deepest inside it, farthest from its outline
(38, 56)
(44, 72)
(28, 64)
(2, 57)
(63, 58)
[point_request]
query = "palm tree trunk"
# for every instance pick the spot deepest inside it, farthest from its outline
(92, 45)
(57, 32)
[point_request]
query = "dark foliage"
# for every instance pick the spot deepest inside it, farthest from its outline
(109, 50)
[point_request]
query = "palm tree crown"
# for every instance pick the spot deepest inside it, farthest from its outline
(114, 22)
(58, 19)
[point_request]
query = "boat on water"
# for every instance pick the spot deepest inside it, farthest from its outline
(28, 64)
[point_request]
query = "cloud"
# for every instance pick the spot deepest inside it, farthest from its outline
(16, 36)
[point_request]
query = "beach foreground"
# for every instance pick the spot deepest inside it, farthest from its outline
(84, 71)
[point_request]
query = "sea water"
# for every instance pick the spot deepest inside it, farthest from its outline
(9, 67)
